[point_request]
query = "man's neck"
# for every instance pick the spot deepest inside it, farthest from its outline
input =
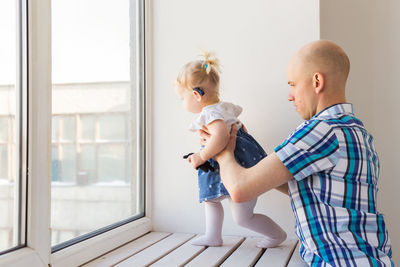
(330, 100)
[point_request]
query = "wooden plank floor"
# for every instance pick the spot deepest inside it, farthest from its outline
(174, 249)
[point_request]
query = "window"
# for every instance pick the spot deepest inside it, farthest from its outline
(96, 165)
(13, 126)
(90, 133)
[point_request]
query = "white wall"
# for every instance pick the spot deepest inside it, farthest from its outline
(254, 41)
(369, 32)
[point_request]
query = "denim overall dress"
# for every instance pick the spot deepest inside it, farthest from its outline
(247, 151)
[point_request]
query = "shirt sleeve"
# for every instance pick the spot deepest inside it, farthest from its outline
(312, 148)
(209, 117)
(237, 110)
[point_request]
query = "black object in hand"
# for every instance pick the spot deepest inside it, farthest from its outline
(205, 167)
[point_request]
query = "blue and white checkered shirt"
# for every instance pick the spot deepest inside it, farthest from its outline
(333, 193)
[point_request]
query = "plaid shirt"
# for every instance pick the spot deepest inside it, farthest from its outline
(333, 193)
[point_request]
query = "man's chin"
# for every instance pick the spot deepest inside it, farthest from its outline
(305, 117)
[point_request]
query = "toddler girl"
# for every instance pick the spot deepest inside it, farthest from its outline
(198, 87)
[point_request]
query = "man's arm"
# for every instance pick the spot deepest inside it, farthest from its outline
(246, 184)
(283, 188)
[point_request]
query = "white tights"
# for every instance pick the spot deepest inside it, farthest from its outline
(244, 216)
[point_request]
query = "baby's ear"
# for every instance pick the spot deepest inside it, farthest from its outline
(197, 96)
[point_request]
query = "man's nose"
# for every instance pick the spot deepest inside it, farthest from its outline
(290, 97)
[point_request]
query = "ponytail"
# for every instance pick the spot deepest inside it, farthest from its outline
(210, 62)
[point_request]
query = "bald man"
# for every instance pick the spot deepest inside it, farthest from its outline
(328, 166)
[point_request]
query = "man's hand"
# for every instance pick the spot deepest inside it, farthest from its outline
(196, 160)
(230, 147)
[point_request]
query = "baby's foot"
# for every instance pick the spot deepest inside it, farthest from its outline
(207, 241)
(270, 243)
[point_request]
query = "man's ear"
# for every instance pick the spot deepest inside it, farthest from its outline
(318, 82)
(197, 96)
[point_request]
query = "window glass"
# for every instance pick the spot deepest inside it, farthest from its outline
(11, 170)
(88, 127)
(68, 128)
(95, 120)
(55, 164)
(87, 167)
(68, 163)
(4, 129)
(112, 127)
(112, 163)
(4, 162)
(55, 128)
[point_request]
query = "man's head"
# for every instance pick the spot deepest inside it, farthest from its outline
(317, 76)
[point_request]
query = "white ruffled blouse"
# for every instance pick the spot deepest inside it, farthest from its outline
(225, 111)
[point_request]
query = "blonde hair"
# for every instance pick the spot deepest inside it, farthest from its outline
(203, 73)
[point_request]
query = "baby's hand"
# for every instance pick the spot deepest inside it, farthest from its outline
(196, 160)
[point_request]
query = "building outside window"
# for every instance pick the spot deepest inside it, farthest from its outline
(95, 118)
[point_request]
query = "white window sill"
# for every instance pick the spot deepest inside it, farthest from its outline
(94, 247)
(22, 257)
(82, 252)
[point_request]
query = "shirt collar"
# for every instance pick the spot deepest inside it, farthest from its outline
(211, 106)
(342, 108)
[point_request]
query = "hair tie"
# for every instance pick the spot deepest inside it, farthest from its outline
(199, 90)
(208, 68)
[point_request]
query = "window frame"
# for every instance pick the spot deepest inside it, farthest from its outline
(38, 239)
